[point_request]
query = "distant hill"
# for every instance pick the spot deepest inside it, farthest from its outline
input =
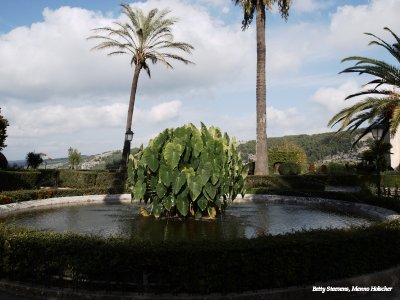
(321, 147)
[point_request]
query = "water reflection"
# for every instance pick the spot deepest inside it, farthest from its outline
(241, 220)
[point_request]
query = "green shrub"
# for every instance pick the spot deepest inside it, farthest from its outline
(274, 183)
(186, 171)
(14, 180)
(289, 168)
(286, 260)
(27, 195)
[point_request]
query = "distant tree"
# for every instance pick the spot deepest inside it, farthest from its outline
(74, 158)
(33, 160)
(3, 130)
(145, 38)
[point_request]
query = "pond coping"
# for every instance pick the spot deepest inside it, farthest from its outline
(371, 210)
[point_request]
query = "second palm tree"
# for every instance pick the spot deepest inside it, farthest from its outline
(144, 38)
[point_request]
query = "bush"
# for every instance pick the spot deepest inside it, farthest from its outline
(27, 195)
(18, 180)
(286, 260)
(187, 171)
(14, 180)
(289, 168)
(274, 183)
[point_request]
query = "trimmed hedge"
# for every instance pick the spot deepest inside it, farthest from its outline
(227, 266)
(304, 182)
(19, 180)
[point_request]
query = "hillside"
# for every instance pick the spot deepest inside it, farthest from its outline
(321, 147)
(318, 147)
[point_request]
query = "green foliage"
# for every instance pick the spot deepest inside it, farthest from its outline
(287, 152)
(286, 260)
(382, 104)
(186, 171)
(276, 183)
(3, 131)
(27, 195)
(289, 168)
(17, 180)
(33, 160)
(316, 146)
(74, 158)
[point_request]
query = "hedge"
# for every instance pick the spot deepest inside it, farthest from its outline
(225, 266)
(305, 182)
(18, 180)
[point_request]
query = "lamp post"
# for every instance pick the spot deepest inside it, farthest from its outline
(127, 149)
(377, 132)
(129, 135)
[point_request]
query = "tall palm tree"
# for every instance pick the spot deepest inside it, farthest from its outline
(259, 7)
(383, 104)
(144, 38)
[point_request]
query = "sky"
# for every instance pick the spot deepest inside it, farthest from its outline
(58, 93)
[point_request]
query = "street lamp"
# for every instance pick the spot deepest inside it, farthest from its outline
(128, 135)
(377, 132)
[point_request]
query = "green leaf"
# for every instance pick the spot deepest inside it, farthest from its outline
(202, 203)
(139, 190)
(195, 187)
(205, 171)
(245, 171)
(189, 173)
(157, 210)
(166, 175)
(158, 142)
(180, 180)
(161, 190)
(172, 154)
(210, 191)
(182, 204)
(197, 143)
(150, 158)
(169, 202)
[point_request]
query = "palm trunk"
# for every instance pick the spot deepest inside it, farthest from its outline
(127, 144)
(261, 167)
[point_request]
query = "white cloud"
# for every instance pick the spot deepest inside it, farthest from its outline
(50, 119)
(349, 23)
(332, 98)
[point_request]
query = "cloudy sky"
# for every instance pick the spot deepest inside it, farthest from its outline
(57, 93)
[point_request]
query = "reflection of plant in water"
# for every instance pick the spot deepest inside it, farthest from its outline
(187, 172)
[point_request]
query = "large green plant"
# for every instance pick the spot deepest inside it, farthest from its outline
(187, 171)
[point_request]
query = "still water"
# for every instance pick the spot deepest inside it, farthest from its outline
(247, 220)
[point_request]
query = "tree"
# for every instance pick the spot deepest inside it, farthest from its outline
(260, 6)
(383, 104)
(74, 157)
(3, 130)
(144, 38)
(33, 160)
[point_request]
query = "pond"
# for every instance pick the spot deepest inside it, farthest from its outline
(241, 220)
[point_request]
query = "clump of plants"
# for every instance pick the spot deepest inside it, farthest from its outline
(187, 172)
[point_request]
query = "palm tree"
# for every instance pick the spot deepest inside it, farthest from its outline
(382, 107)
(144, 38)
(260, 6)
